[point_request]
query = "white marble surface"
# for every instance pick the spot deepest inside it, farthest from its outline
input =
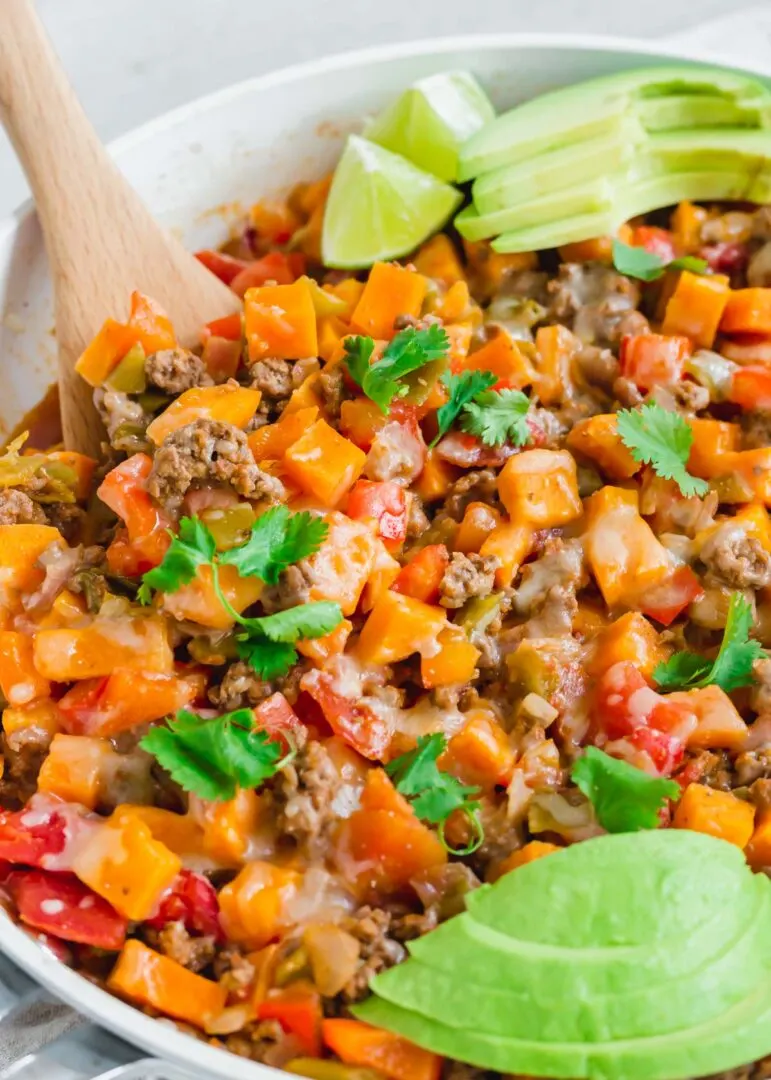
(133, 59)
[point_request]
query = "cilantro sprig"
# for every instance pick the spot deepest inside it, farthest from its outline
(644, 265)
(406, 352)
(212, 758)
(434, 794)
(494, 416)
(625, 799)
(278, 539)
(731, 668)
(662, 440)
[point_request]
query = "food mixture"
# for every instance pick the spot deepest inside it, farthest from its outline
(402, 582)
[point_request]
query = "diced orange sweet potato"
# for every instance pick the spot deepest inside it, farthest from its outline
(455, 305)
(147, 978)
(711, 440)
(623, 552)
(229, 826)
(598, 249)
(231, 404)
(253, 905)
(748, 311)
(556, 346)
(150, 323)
(357, 1043)
(631, 638)
(455, 662)
(75, 768)
(20, 548)
(280, 321)
(696, 307)
(391, 290)
(436, 479)
(324, 464)
(180, 833)
(502, 358)
(753, 467)
(535, 849)
(319, 650)
(597, 438)
(83, 653)
(478, 522)
(122, 862)
(719, 723)
(125, 699)
(360, 421)
(383, 845)
(758, 850)
(540, 487)
(198, 602)
(755, 519)
(686, 224)
(438, 259)
(480, 753)
(305, 396)
(44, 716)
(717, 813)
(273, 440)
(385, 570)
(397, 627)
(66, 609)
(510, 543)
(20, 680)
(105, 351)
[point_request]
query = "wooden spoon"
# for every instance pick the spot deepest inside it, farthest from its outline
(101, 240)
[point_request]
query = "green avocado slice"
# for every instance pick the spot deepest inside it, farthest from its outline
(669, 96)
(741, 1034)
(576, 1004)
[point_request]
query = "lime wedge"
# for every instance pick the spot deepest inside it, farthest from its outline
(380, 207)
(428, 123)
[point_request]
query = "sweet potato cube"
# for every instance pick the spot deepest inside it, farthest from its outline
(631, 638)
(85, 652)
(253, 905)
(623, 552)
(502, 357)
(535, 849)
(455, 662)
(717, 813)
(479, 520)
(510, 543)
(324, 464)
(696, 307)
(597, 439)
(540, 487)
(273, 440)
(399, 626)
(231, 404)
(149, 979)
(20, 680)
(391, 290)
(280, 321)
(124, 863)
(20, 548)
(75, 768)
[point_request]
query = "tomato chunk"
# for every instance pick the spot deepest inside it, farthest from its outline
(657, 241)
(353, 721)
(384, 503)
(192, 900)
(422, 575)
(651, 360)
(297, 1008)
(666, 601)
(61, 905)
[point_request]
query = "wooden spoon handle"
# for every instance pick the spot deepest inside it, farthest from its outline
(102, 242)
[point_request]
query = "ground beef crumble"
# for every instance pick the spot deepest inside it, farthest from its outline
(213, 451)
(17, 508)
(194, 953)
(303, 794)
(739, 560)
(370, 926)
(176, 370)
(241, 688)
(467, 576)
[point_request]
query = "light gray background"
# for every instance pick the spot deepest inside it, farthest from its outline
(133, 59)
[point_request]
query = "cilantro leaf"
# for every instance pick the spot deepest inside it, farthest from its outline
(278, 539)
(194, 546)
(435, 794)
(358, 351)
(644, 265)
(304, 621)
(406, 352)
(498, 416)
(731, 668)
(624, 798)
(463, 389)
(663, 440)
(269, 659)
(212, 758)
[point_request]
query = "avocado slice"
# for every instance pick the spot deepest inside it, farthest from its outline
(662, 97)
(631, 957)
(741, 1034)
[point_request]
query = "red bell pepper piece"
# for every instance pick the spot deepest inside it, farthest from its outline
(146, 539)
(61, 905)
(276, 266)
(192, 900)
(751, 387)
(384, 503)
(655, 240)
(277, 717)
(651, 360)
(226, 267)
(229, 327)
(665, 751)
(362, 728)
(624, 702)
(422, 575)
(666, 601)
(298, 1009)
